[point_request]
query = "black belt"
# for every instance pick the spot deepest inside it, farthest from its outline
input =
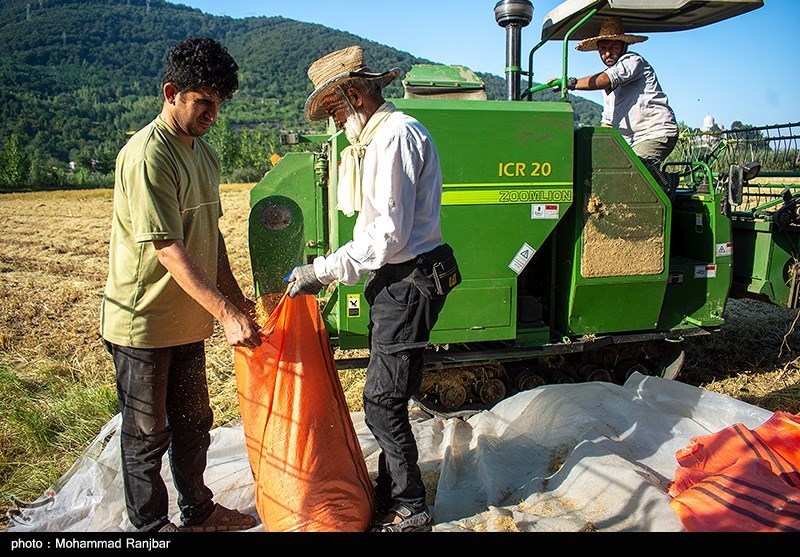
(418, 261)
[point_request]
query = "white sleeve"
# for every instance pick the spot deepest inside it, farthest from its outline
(383, 228)
(628, 68)
(607, 117)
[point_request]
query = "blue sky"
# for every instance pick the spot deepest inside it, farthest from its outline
(744, 68)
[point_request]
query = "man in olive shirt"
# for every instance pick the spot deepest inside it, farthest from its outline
(169, 278)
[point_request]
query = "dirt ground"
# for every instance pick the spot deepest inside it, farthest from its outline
(53, 265)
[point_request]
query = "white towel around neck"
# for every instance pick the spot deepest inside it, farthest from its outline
(349, 189)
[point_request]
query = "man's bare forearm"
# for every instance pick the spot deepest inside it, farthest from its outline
(240, 329)
(593, 82)
(187, 272)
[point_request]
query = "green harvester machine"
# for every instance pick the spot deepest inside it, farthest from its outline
(577, 265)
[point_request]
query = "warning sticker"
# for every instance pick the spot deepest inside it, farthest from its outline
(521, 260)
(705, 271)
(353, 306)
(545, 212)
(724, 250)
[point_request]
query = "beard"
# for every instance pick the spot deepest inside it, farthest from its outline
(354, 125)
(610, 60)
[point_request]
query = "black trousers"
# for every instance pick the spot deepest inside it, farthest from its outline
(401, 319)
(164, 401)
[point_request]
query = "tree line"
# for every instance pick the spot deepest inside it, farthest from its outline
(77, 77)
(245, 156)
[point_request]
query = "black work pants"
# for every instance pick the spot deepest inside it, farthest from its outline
(164, 401)
(401, 319)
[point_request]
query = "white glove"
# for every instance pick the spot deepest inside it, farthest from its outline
(304, 281)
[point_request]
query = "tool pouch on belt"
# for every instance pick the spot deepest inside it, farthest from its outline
(436, 272)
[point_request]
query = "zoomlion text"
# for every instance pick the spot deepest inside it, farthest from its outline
(530, 196)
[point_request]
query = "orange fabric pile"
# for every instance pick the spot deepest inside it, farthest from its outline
(741, 480)
(309, 470)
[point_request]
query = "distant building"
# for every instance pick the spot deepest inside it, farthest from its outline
(707, 136)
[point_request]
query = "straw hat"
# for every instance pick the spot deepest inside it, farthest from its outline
(611, 30)
(335, 67)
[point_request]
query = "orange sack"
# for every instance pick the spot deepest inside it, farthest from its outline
(309, 470)
(741, 480)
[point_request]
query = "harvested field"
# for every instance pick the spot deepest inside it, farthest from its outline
(57, 381)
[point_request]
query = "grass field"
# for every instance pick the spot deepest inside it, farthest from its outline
(57, 381)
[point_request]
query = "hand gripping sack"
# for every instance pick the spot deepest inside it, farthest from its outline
(309, 470)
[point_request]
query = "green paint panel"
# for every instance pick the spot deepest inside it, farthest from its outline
(437, 75)
(484, 242)
(351, 313)
(290, 190)
(464, 320)
(498, 199)
(507, 171)
(763, 261)
(347, 314)
(700, 266)
(276, 239)
(293, 177)
(499, 145)
(692, 297)
(619, 241)
(603, 307)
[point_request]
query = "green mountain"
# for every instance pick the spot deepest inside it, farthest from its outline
(76, 76)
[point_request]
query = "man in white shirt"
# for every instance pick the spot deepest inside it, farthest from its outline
(633, 101)
(391, 175)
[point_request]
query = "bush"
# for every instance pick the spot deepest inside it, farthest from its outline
(46, 176)
(15, 165)
(244, 176)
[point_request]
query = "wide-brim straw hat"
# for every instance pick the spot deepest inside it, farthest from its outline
(332, 69)
(611, 30)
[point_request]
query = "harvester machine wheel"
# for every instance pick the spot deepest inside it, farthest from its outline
(464, 390)
(625, 368)
(592, 372)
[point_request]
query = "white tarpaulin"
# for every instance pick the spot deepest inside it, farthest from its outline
(559, 458)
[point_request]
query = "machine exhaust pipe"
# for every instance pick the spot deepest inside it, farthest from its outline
(513, 15)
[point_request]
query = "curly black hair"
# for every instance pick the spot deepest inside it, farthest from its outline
(198, 63)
